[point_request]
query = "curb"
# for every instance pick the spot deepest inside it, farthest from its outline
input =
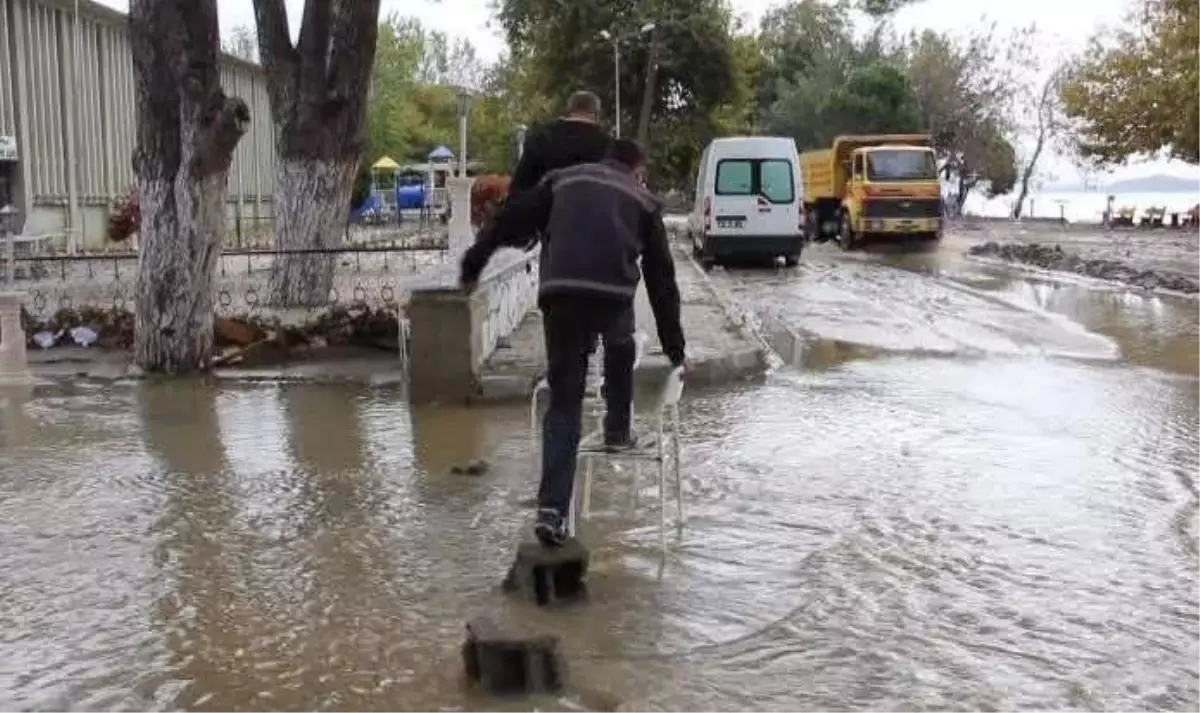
(744, 320)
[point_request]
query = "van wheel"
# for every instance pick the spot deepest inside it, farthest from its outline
(846, 237)
(791, 260)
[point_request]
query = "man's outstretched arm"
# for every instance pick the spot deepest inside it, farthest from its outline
(517, 224)
(529, 168)
(658, 268)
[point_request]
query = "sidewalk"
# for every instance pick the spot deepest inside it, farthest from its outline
(718, 349)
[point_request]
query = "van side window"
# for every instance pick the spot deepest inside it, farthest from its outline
(735, 177)
(778, 185)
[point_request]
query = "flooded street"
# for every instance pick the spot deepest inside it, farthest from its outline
(964, 489)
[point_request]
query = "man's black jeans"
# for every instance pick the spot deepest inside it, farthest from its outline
(620, 351)
(572, 324)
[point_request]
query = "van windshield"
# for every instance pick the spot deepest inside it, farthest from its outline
(900, 165)
(770, 178)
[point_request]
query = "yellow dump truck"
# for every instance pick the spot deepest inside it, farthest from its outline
(872, 186)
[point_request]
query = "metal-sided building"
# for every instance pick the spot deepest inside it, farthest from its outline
(67, 121)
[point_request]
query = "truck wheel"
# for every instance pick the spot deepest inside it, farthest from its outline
(812, 226)
(846, 237)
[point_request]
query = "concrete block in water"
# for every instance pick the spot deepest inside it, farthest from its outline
(549, 575)
(506, 659)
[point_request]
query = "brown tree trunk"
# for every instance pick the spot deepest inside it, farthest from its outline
(187, 130)
(1044, 114)
(643, 127)
(1027, 175)
(318, 91)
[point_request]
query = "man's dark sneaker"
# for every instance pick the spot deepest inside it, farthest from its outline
(615, 443)
(551, 527)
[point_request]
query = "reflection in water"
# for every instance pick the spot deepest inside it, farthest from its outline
(16, 427)
(1152, 330)
(324, 433)
(325, 440)
(445, 436)
(200, 614)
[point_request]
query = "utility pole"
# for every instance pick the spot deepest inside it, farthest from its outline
(616, 45)
(617, 83)
(643, 128)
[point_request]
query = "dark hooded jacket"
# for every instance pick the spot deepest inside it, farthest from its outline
(559, 144)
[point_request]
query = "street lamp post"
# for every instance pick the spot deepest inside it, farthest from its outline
(464, 109)
(519, 141)
(616, 41)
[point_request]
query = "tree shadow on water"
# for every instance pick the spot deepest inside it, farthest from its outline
(198, 553)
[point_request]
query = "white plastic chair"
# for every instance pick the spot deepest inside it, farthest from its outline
(666, 420)
(593, 401)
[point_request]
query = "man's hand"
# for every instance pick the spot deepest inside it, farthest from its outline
(469, 270)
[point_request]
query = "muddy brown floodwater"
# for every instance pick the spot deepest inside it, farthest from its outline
(963, 490)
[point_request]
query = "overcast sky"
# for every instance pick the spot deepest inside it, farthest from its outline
(1065, 25)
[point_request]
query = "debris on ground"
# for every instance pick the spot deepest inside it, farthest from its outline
(1053, 257)
(242, 340)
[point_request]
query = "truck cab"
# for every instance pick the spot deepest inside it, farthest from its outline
(873, 186)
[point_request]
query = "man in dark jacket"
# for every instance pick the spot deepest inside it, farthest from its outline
(594, 221)
(575, 138)
(578, 138)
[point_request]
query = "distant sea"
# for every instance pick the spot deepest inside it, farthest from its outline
(1079, 207)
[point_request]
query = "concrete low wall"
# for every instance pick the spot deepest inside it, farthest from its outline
(451, 334)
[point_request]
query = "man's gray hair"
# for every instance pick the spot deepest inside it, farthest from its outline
(584, 102)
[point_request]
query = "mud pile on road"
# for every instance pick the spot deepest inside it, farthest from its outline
(1053, 257)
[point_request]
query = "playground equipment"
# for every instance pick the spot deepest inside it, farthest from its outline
(414, 188)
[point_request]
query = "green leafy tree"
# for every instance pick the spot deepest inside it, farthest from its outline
(686, 60)
(1140, 95)
(964, 91)
(804, 42)
(821, 105)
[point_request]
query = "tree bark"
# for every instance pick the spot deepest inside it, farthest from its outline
(964, 190)
(643, 127)
(1044, 110)
(1027, 174)
(187, 130)
(311, 200)
(318, 91)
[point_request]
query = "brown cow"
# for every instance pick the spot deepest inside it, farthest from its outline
(487, 194)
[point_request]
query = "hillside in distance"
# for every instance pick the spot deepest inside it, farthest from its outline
(1158, 183)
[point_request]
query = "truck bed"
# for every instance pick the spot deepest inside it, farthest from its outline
(819, 175)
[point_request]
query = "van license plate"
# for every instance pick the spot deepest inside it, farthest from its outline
(730, 222)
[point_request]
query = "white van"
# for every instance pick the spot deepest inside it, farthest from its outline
(748, 200)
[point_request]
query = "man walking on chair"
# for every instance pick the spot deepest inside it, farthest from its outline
(594, 221)
(578, 138)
